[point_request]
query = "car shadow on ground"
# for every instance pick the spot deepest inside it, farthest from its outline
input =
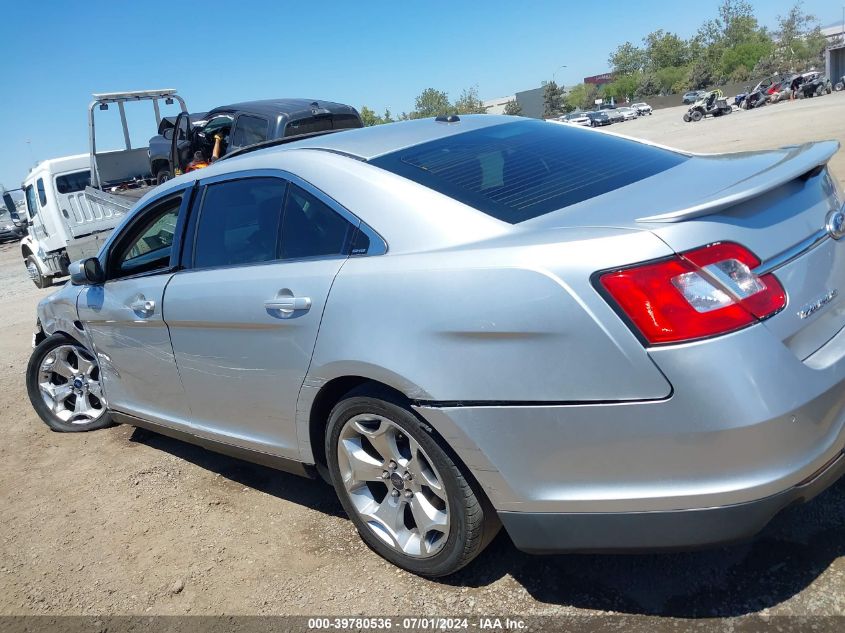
(789, 555)
(311, 493)
(783, 560)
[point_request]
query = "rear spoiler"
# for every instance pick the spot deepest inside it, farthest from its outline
(797, 161)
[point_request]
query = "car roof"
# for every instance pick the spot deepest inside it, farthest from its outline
(370, 142)
(274, 107)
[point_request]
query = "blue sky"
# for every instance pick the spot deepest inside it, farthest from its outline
(53, 55)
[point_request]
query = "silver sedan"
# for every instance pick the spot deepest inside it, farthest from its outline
(463, 323)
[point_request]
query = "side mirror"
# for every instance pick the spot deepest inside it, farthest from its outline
(87, 271)
(168, 134)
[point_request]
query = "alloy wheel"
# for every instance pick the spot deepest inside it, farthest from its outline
(393, 485)
(69, 384)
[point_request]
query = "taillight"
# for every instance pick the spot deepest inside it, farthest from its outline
(698, 294)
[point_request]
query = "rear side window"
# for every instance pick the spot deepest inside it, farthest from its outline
(313, 229)
(322, 123)
(249, 130)
(42, 194)
(518, 171)
(71, 183)
(239, 222)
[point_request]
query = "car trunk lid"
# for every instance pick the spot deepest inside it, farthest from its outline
(776, 203)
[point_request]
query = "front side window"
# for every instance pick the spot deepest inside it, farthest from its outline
(71, 183)
(42, 194)
(147, 246)
(518, 171)
(313, 229)
(239, 222)
(249, 130)
(31, 205)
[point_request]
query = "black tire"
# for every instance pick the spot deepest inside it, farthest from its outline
(33, 371)
(839, 87)
(40, 281)
(686, 118)
(473, 521)
(163, 176)
(696, 116)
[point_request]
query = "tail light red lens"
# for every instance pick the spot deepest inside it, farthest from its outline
(698, 294)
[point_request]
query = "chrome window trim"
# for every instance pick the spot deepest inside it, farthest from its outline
(378, 245)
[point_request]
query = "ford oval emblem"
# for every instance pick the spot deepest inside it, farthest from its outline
(835, 224)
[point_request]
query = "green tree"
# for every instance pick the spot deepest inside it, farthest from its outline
(577, 97)
(368, 117)
(800, 42)
(627, 59)
(664, 50)
(553, 103)
(431, 102)
(623, 87)
(469, 103)
(513, 108)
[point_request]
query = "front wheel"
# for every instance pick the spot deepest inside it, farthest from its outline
(408, 499)
(162, 176)
(64, 386)
(40, 281)
(686, 118)
(839, 87)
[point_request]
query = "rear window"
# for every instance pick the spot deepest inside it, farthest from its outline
(71, 183)
(312, 124)
(518, 171)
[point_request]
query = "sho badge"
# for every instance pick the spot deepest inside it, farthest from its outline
(818, 304)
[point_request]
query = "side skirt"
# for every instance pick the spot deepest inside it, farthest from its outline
(256, 457)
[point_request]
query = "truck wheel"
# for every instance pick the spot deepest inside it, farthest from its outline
(40, 281)
(406, 496)
(162, 176)
(696, 115)
(64, 386)
(686, 118)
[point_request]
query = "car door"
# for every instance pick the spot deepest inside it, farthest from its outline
(245, 313)
(123, 316)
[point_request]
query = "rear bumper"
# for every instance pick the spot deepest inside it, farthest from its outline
(545, 532)
(748, 430)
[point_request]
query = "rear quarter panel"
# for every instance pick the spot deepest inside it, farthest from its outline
(514, 320)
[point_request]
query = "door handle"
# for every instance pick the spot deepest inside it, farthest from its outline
(288, 305)
(143, 307)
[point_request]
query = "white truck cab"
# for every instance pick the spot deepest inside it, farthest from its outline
(63, 224)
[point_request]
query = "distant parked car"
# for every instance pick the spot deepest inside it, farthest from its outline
(615, 115)
(692, 96)
(598, 118)
(643, 108)
(628, 113)
(816, 85)
(9, 231)
(577, 118)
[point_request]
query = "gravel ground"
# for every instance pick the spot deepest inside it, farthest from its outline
(123, 521)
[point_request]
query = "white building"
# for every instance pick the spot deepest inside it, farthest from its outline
(834, 57)
(497, 106)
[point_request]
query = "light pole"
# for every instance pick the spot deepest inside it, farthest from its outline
(555, 73)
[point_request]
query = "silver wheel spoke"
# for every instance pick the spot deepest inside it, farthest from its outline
(383, 440)
(84, 365)
(388, 517)
(58, 394)
(361, 465)
(95, 389)
(427, 517)
(62, 368)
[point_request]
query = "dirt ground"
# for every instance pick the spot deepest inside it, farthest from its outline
(123, 521)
